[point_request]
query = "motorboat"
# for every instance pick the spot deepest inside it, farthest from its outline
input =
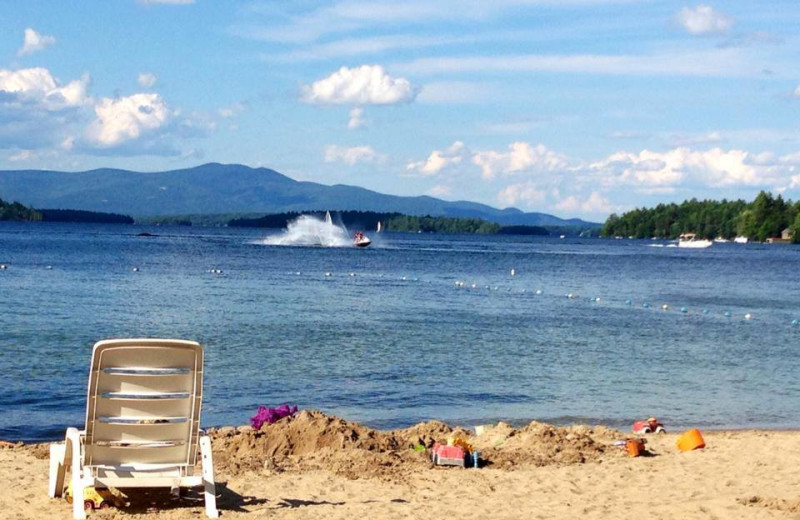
(690, 240)
(360, 239)
(740, 240)
(721, 240)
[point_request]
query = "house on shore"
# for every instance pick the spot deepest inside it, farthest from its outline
(785, 238)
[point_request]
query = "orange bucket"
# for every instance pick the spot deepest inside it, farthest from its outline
(634, 447)
(691, 440)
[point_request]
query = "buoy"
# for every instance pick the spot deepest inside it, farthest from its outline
(352, 274)
(513, 272)
(2, 267)
(538, 291)
(328, 273)
(135, 269)
(571, 296)
(646, 305)
(705, 311)
(495, 287)
(665, 307)
(748, 316)
(684, 310)
(628, 302)
(727, 314)
(49, 267)
(474, 286)
(404, 278)
(416, 279)
(597, 299)
(297, 273)
(795, 322)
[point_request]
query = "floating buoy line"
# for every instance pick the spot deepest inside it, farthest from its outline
(475, 287)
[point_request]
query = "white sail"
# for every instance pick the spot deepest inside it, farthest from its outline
(379, 226)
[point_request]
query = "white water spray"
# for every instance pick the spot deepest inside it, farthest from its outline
(307, 230)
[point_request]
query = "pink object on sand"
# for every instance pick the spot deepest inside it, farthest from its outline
(270, 415)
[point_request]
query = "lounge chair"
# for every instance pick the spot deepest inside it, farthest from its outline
(142, 423)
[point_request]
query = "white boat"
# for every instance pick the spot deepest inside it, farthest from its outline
(720, 240)
(361, 240)
(690, 240)
(740, 240)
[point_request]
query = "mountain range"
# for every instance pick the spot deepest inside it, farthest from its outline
(231, 188)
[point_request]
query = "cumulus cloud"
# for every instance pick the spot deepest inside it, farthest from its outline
(34, 42)
(126, 118)
(439, 159)
(37, 86)
(525, 193)
(356, 118)
(703, 20)
(520, 156)
(352, 155)
(146, 79)
(714, 168)
(365, 85)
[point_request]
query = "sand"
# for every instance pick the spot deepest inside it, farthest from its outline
(316, 466)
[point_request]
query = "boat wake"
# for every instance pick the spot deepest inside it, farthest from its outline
(307, 230)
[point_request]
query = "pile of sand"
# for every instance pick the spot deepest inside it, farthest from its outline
(314, 440)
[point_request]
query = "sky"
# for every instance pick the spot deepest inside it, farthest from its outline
(578, 108)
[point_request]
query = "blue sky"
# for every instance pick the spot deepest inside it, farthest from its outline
(571, 107)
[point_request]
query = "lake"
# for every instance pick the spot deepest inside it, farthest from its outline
(388, 336)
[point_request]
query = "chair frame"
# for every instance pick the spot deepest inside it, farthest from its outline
(77, 448)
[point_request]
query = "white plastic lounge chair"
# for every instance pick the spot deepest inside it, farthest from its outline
(142, 422)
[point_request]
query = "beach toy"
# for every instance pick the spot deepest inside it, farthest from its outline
(691, 440)
(270, 415)
(94, 498)
(634, 447)
(458, 441)
(651, 425)
(476, 459)
(443, 455)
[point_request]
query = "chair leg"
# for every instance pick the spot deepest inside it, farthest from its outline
(209, 489)
(58, 469)
(74, 440)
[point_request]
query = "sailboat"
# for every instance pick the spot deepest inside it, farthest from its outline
(379, 227)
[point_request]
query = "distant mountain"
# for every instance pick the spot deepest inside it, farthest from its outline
(231, 188)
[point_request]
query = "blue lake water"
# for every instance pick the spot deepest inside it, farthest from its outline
(398, 342)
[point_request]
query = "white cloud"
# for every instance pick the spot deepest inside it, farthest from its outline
(521, 156)
(694, 140)
(33, 42)
(439, 159)
(146, 79)
(525, 193)
(365, 85)
(356, 118)
(352, 155)
(595, 203)
(703, 19)
(38, 86)
(714, 168)
(126, 118)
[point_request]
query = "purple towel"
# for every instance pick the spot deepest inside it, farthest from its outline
(270, 415)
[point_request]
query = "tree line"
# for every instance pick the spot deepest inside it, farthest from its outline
(17, 211)
(765, 217)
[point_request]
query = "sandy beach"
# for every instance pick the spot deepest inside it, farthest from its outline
(316, 466)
